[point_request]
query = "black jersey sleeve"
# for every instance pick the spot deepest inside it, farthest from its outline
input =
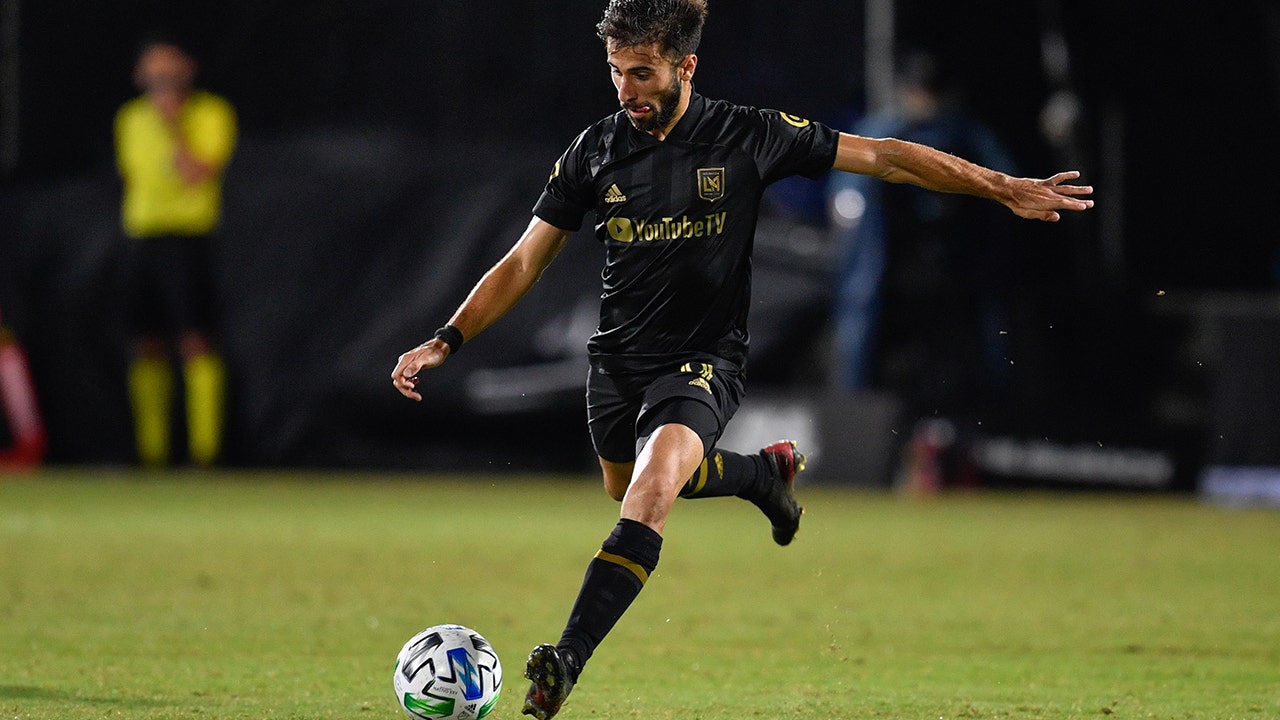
(790, 145)
(568, 194)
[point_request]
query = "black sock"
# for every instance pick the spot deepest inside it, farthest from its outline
(728, 473)
(614, 578)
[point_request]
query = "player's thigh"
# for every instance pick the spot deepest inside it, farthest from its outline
(613, 402)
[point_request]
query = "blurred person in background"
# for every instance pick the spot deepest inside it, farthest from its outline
(923, 277)
(172, 145)
(923, 280)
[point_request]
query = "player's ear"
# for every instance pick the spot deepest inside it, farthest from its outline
(687, 66)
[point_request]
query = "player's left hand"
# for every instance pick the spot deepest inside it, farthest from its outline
(429, 354)
(1042, 199)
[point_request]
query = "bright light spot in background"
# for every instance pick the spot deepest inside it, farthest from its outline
(848, 207)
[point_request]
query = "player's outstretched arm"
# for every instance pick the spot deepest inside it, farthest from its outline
(497, 292)
(902, 161)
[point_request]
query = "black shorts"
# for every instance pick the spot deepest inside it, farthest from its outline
(623, 409)
(170, 281)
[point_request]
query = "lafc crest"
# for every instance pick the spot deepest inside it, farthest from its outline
(711, 183)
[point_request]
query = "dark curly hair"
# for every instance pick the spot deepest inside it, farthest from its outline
(676, 25)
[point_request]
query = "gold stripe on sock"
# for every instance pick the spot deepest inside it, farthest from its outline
(634, 567)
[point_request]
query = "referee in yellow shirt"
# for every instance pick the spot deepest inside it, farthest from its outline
(172, 144)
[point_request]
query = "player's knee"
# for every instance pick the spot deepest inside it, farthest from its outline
(689, 489)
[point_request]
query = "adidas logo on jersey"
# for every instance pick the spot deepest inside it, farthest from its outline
(614, 195)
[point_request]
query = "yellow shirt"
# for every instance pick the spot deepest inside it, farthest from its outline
(156, 199)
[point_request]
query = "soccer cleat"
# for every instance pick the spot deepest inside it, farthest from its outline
(551, 679)
(779, 503)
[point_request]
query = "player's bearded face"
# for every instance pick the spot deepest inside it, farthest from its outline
(651, 84)
(656, 112)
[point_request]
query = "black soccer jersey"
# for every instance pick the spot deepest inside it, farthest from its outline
(677, 218)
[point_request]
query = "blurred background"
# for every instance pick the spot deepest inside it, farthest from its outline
(390, 152)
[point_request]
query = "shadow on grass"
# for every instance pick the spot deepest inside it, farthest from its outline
(35, 692)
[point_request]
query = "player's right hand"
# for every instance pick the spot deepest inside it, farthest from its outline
(424, 357)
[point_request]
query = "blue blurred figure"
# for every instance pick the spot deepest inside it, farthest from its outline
(921, 282)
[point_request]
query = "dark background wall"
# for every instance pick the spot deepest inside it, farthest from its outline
(1196, 84)
(390, 151)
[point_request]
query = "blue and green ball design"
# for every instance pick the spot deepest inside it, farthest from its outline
(447, 672)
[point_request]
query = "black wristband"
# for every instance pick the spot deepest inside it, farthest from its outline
(451, 336)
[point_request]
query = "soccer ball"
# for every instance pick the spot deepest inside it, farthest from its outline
(447, 672)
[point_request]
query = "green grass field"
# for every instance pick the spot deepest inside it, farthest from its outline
(288, 595)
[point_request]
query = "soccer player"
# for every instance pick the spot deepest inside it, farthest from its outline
(675, 180)
(172, 143)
